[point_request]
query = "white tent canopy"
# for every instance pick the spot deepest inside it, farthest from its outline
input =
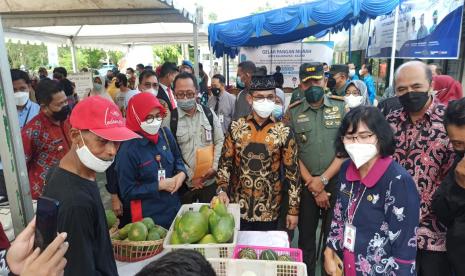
(79, 23)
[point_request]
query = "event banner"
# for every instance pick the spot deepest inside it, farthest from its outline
(289, 56)
(428, 29)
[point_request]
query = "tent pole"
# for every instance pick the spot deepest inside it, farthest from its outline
(73, 55)
(350, 43)
(11, 148)
(227, 69)
(196, 49)
(394, 46)
(224, 66)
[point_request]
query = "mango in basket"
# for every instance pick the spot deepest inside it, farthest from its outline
(206, 211)
(219, 207)
(207, 239)
(138, 232)
(160, 230)
(153, 235)
(111, 218)
(192, 227)
(223, 231)
(149, 223)
(123, 232)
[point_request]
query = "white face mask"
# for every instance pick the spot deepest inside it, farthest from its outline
(21, 98)
(360, 72)
(263, 109)
(353, 101)
(151, 128)
(151, 90)
(361, 153)
(351, 73)
(90, 160)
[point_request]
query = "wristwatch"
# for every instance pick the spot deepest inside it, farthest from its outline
(324, 180)
(219, 190)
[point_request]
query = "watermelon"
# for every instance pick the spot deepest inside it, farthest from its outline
(268, 255)
(174, 238)
(285, 258)
(207, 239)
(223, 231)
(153, 235)
(192, 227)
(138, 232)
(123, 232)
(149, 223)
(111, 218)
(248, 253)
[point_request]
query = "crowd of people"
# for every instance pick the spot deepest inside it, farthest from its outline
(387, 182)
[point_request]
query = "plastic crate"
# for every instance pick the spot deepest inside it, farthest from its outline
(217, 250)
(239, 267)
(294, 253)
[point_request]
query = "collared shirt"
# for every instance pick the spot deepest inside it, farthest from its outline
(196, 132)
(28, 112)
(137, 172)
(169, 92)
(424, 150)
(384, 209)
(45, 143)
(315, 131)
(226, 104)
(251, 163)
(242, 107)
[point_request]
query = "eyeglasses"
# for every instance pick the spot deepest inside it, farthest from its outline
(361, 138)
(154, 85)
(355, 92)
(261, 99)
(183, 94)
(150, 118)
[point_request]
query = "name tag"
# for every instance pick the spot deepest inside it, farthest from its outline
(208, 135)
(161, 174)
(221, 118)
(350, 233)
(303, 120)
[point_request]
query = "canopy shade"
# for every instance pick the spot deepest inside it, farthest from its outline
(293, 23)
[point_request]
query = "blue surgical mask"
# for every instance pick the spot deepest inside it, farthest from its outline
(278, 111)
(240, 83)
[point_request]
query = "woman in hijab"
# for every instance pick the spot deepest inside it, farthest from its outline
(278, 111)
(447, 89)
(149, 170)
(356, 94)
(99, 89)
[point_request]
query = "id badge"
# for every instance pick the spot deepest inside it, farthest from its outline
(161, 174)
(221, 118)
(208, 135)
(350, 233)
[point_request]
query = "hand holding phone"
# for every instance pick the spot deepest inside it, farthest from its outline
(46, 222)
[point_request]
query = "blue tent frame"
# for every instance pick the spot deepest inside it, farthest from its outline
(293, 23)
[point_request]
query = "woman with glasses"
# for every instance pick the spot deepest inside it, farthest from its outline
(149, 170)
(373, 229)
(356, 94)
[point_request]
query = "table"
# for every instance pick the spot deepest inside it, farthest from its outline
(258, 238)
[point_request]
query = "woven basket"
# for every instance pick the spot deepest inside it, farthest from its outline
(134, 251)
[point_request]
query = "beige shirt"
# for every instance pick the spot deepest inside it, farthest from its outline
(192, 134)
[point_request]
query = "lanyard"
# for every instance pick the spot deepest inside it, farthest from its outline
(27, 116)
(350, 218)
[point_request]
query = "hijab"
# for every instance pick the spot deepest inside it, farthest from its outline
(139, 107)
(363, 91)
(447, 89)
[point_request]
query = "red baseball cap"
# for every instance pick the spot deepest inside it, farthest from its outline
(102, 117)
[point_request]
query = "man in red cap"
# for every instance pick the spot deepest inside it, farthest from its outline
(97, 128)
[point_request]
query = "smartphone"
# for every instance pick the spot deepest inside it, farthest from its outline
(46, 222)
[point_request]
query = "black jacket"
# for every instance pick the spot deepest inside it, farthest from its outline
(163, 95)
(449, 205)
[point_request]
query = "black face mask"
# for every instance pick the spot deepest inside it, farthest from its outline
(61, 115)
(216, 92)
(331, 83)
(414, 101)
(314, 94)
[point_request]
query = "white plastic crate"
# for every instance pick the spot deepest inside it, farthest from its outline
(219, 250)
(239, 267)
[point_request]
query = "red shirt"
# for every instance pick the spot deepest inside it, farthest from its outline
(45, 143)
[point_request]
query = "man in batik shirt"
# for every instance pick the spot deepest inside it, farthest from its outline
(423, 148)
(255, 149)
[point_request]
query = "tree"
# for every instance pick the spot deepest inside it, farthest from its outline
(170, 53)
(28, 55)
(212, 17)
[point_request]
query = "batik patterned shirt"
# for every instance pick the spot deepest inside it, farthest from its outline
(423, 149)
(45, 143)
(250, 163)
(384, 209)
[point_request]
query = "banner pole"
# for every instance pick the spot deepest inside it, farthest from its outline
(394, 46)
